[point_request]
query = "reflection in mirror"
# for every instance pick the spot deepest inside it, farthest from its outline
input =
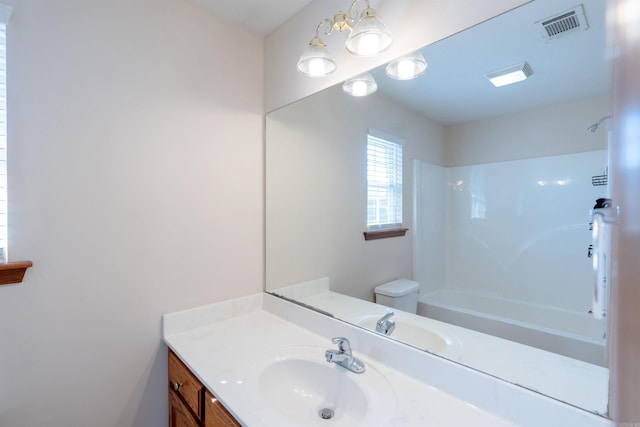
(498, 189)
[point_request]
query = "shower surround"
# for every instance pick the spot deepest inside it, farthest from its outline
(516, 230)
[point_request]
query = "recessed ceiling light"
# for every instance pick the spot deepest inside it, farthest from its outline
(509, 75)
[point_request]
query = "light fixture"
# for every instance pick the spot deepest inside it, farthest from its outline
(315, 60)
(368, 36)
(407, 67)
(361, 85)
(509, 75)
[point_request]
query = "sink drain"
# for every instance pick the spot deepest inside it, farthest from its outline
(326, 413)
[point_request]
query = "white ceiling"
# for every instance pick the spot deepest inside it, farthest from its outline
(258, 16)
(454, 89)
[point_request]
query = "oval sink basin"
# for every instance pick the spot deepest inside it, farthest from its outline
(411, 334)
(302, 387)
(296, 384)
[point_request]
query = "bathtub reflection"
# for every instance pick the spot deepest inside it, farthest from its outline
(569, 333)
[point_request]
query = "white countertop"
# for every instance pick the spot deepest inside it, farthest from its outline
(220, 342)
(569, 380)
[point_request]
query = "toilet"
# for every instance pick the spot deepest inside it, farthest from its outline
(401, 294)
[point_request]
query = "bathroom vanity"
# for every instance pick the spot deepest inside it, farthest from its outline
(255, 355)
(190, 403)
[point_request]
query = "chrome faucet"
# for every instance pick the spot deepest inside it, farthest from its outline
(343, 357)
(385, 325)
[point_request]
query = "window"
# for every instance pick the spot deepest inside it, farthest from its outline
(10, 272)
(4, 17)
(384, 181)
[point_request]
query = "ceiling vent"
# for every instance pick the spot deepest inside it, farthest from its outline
(563, 23)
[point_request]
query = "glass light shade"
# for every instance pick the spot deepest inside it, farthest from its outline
(315, 61)
(369, 36)
(361, 85)
(407, 67)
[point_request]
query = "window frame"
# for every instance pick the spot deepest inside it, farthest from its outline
(10, 272)
(384, 141)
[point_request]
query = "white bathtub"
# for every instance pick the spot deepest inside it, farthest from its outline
(570, 333)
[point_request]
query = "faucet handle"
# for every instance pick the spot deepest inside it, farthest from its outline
(388, 315)
(385, 325)
(343, 344)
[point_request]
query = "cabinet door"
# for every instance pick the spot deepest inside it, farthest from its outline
(216, 415)
(179, 415)
(184, 383)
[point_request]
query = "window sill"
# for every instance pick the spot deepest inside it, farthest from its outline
(13, 272)
(384, 234)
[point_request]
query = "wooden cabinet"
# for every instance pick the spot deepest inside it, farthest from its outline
(216, 415)
(179, 415)
(190, 403)
(185, 385)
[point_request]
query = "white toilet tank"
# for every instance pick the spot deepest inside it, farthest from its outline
(401, 294)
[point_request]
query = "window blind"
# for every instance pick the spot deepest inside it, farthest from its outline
(4, 17)
(384, 182)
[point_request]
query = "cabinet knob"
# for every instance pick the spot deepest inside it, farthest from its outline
(176, 386)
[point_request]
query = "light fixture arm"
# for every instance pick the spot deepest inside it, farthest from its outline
(344, 21)
(328, 30)
(353, 14)
(367, 37)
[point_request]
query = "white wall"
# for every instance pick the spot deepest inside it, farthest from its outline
(548, 131)
(413, 23)
(317, 189)
(135, 168)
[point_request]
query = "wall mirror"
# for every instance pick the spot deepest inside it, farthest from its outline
(498, 188)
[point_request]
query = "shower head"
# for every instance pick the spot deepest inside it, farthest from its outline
(594, 127)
